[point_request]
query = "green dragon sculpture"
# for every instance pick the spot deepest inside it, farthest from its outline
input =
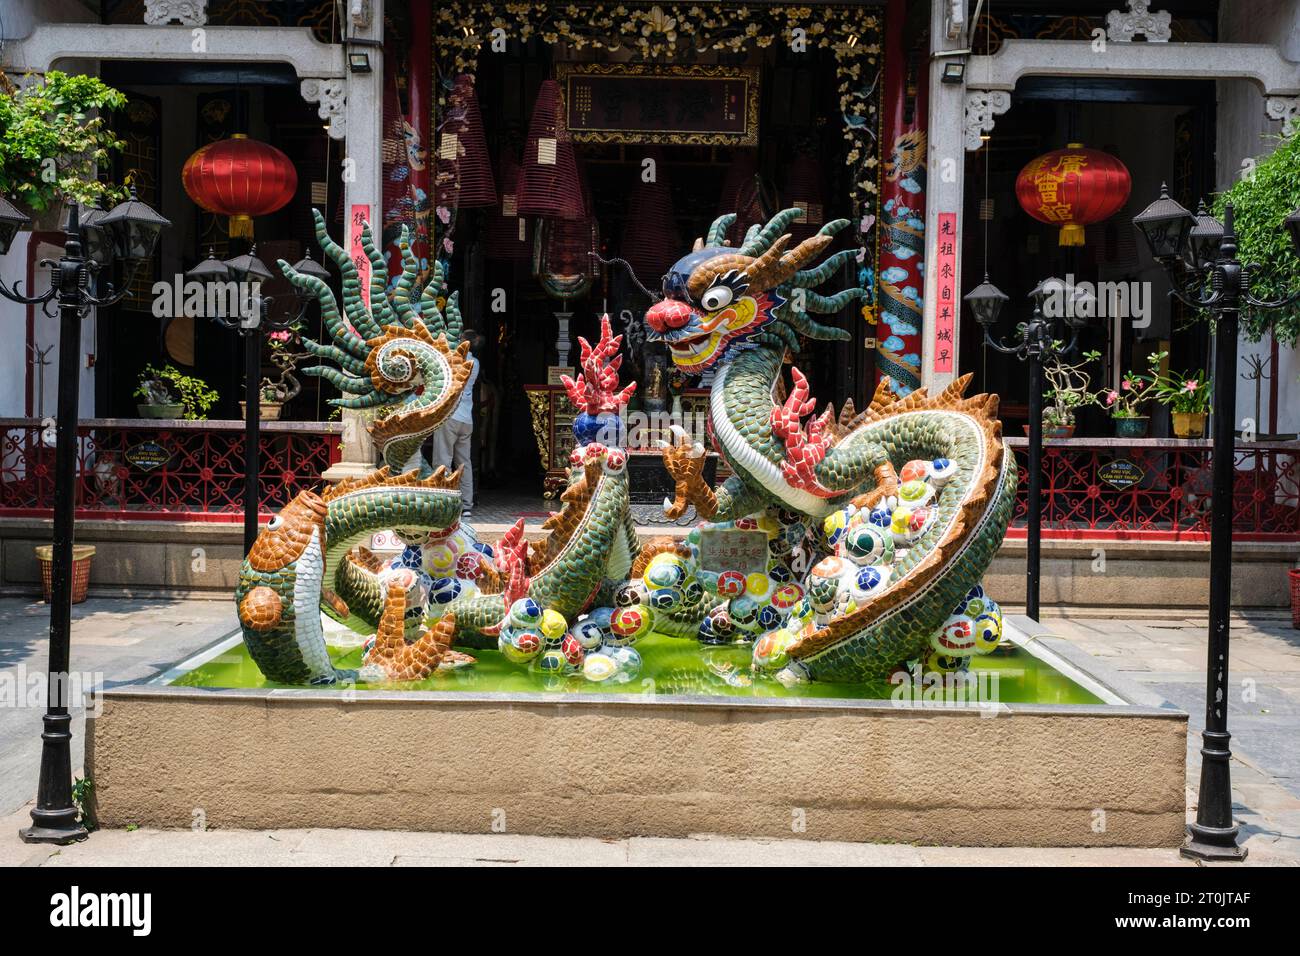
(739, 311)
(894, 512)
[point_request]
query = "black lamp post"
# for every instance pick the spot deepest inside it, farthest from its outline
(1037, 343)
(254, 316)
(130, 232)
(1199, 255)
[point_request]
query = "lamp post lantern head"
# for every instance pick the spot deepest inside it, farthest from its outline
(135, 227)
(986, 301)
(1165, 224)
(98, 240)
(12, 219)
(210, 269)
(310, 267)
(249, 266)
(1204, 238)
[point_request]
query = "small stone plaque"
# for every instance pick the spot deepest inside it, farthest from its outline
(733, 549)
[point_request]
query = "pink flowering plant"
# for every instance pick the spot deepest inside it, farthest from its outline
(1125, 400)
(1185, 392)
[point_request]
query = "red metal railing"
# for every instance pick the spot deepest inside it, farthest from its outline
(1159, 489)
(1152, 489)
(165, 470)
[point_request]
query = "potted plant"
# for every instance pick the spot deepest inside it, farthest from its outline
(168, 392)
(1124, 403)
(50, 146)
(1068, 389)
(1188, 398)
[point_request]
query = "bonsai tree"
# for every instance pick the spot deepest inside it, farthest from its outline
(1268, 192)
(50, 146)
(1134, 389)
(285, 386)
(170, 386)
(1068, 388)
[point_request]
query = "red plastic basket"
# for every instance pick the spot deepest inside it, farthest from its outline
(1295, 597)
(81, 556)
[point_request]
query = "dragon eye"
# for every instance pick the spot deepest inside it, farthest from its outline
(275, 523)
(716, 298)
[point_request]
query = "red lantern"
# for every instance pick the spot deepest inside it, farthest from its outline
(1072, 188)
(240, 178)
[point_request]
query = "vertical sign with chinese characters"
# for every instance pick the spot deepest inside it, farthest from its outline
(946, 304)
(359, 216)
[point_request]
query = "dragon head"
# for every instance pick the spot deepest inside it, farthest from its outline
(718, 298)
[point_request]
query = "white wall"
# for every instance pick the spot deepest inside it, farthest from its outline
(17, 19)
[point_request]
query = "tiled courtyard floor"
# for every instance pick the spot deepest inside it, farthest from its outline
(123, 641)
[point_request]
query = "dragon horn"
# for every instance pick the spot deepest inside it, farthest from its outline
(766, 271)
(718, 231)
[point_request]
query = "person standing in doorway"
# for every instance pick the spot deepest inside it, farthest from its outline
(454, 441)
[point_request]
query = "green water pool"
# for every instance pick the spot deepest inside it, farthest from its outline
(671, 666)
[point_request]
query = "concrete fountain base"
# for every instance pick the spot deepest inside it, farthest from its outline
(596, 765)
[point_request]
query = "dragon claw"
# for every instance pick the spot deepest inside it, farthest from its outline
(805, 446)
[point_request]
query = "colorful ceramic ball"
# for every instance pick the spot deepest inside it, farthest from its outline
(441, 558)
(880, 517)
(519, 647)
(445, 590)
(600, 616)
(552, 661)
(708, 580)
(868, 582)
(834, 526)
(553, 626)
(914, 493)
(822, 593)
(988, 632)
(629, 624)
(588, 634)
(901, 522)
(573, 650)
(666, 598)
(525, 612)
(771, 650)
(721, 622)
(599, 666)
(665, 570)
(830, 568)
(942, 663)
(787, 596)
(942, 470)
(692, 593)
(769, 617)
(914, 470)
(483, 549)
(974, 603)
(630, 594)
(628, 662)
(956, 638)
(780, 574)
(920, 518)
(731, 584)
(758, 586)
(868, 545)
(744, 612)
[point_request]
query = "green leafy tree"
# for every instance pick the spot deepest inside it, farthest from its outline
(1267, 193)
(49, 144)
